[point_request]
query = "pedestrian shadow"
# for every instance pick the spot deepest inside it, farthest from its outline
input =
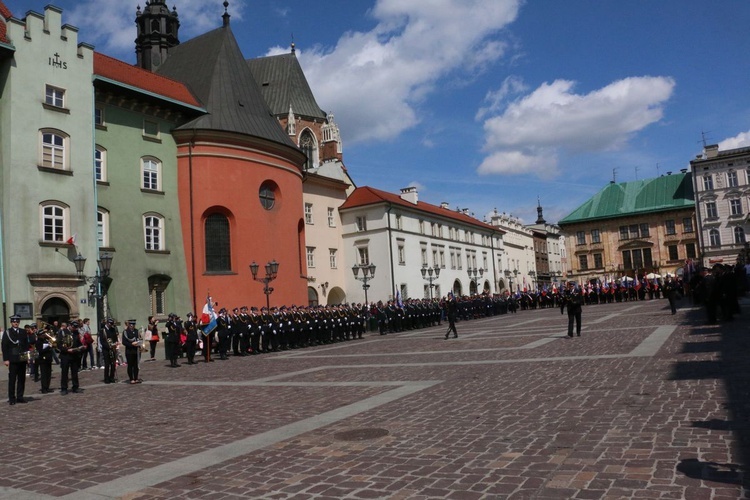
(731, 365)
(711, 471)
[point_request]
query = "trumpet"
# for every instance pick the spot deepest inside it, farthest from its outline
(51, 340)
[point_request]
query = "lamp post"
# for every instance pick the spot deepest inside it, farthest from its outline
(97, 287)
(475, 275)
(430, 274)
(272, 269)
(368, 273)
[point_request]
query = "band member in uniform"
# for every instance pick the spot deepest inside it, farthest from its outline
(108, 341)
(573, 299)
(191, 342)
(44, 347)
(132, 346)
(224, 332)
(15, 342)
(173, 340)
(153, 336)
(71, 347)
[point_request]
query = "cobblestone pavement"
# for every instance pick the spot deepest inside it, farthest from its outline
(643, 405)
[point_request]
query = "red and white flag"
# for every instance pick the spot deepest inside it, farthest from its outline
(72, 239)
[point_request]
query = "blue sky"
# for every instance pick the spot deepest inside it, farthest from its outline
(492, 103)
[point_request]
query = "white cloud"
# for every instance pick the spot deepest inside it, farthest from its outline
(741, 140)
(553, 118)
(374, 81)
(113, 25)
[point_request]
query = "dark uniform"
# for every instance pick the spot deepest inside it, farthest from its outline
(573, 300)
(191, 334)
(71, 347)
(452, 307)
(224, 332)
(172, 340)
(15, 343)
(44, 361)
(108, 341)
(132, 345)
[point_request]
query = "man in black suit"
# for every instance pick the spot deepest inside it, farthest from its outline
(573, 300)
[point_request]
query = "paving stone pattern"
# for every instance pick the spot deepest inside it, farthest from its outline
(644, 405)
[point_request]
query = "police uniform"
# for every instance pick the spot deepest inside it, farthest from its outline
(71, 346)
(108, 341)
(44, 361)
(15, 343)
(132, 345)
(191, 338)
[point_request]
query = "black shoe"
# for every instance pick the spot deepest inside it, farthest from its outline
(21, 400)
(455, 336)
(11, 403)
(77, 391)
(63, 392)
(36, 379)
(446, 338)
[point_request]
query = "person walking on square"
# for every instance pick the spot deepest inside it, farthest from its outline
(452, 311)
(15, 343)
(670, 291)
(573, 300)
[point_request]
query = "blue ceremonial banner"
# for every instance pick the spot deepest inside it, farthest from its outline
(208, 318)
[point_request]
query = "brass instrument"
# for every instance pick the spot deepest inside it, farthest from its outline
(28, 356)
(50, 339)
(112, 348)
(142, 341)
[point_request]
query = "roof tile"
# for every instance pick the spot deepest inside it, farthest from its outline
(119, 71)
(365, 195)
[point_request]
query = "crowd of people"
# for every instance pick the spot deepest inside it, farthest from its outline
(31, 351)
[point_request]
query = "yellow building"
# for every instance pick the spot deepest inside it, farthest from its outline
(628, 228)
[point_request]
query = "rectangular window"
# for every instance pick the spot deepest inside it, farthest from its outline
(627, 261)
(310, 252)
(623, 232)
(151, 175)
(434, 258)
(598, 261)
(637, 258)
(453, 259)
(53, 222)
(583, 262)
(442, 259)
(361, 224)
(690, 251)
(364, 256)
(99, 116)
(711, 212)
(633, 230)
(53, 151)
(687, 225)
(735, 207)
(424, 257)
(644, 230)
(669, 227)
(102, 228)
(54, 96)
(151, 129)
(401, 255)
(331, 217)
(332, 258)
(421, 227)
(595, 236)
(308, 213)
(580, 238)
(647, 261)
(732, 178)
(708, 182)
(458, 259)
(153, 232)
(158, 301)
(399, 223)
(100, 164)
(673, 252)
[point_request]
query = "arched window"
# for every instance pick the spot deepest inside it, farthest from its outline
(55, 221)
(54, 150)
(151, 174)
(739, 235)
(153, 231)
(307, 145)
(217, 241)
(714, 238)
(102, 227)
(100, 163)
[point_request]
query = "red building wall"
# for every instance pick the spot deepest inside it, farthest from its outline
(226, 177)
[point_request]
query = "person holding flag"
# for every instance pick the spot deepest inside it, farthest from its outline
(207, 326)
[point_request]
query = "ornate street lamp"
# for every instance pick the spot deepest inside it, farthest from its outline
(430, 274)
(475, 275)
(368, 273)
(97, 284)
(272, 270)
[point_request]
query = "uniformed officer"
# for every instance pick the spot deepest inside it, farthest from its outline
(132, 345)
(44, 348)
(15, 343)
(71, 347)
(191, 337)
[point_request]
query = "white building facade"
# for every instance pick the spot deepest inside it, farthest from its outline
(519, 258)
(401, 235)
(721, 181)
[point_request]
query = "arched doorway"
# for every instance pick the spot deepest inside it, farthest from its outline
(55, 309)
(336, 296)
(457, 288)
(312, 296)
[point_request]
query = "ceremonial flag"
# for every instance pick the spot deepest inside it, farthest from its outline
(208, 317)
(637, 285)
(72, 239)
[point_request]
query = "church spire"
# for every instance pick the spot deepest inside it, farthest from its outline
(225, 17)
(539, 216)
(157, 33)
